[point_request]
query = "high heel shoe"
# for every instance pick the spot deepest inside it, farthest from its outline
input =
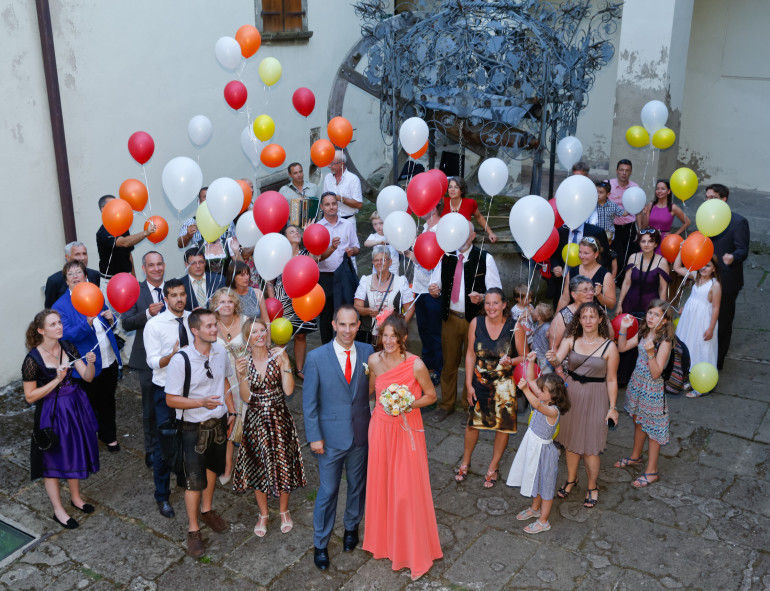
(286, 523)
(261, 528)
(563, 493)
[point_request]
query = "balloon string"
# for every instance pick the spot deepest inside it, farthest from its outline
(147, 186)
(99, 341)
(483, 235)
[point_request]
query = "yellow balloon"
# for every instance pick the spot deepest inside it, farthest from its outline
(280, 331)
(703, 377)
(676, 322)
(713, 217)
(684, 183)
(208, 228)
(570, 255)
(264, 127)
(270, 70)
(663, 138)
(637, 136)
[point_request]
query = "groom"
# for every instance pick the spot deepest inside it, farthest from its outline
(335, 400)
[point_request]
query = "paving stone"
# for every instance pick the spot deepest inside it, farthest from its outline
(26, 577)
(550, 568)
(195, 574)
(737, 456)
(751, 495)
(455, 536)
(682, 515)
(378, 575)
(32, 521)
(73, 579)
(12, 477)
(763, 431)
(746, 379)
(718, 412)
(304, 575)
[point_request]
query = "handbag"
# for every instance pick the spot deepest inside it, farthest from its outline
(46, 438)
(366, 334)
(170, 432)
(236, 433)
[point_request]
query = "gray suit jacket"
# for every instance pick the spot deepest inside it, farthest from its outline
(135, 319)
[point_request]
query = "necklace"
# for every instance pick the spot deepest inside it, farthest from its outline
(454, 209)
(47, 351)
(592, 341)
(227, 328)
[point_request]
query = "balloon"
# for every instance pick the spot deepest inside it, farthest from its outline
(246, 231)
(576, 199)
(316, 239)
(493, 176)
(391, 198)
(182, 180)
(248, 39)
(419, 153)
(441, 177)
(340, 131)
(270, 70)
(236, 94)
(569, 150)
(634, 200)
(632, 330)
(427, 250)
(87, 298)
(280, 331)
(637, 136)
(558, 222)
(141, 146)
(697, 250)
(452, 231)
(546, 251)
(676, 321)
(303, 100)
(703, 377)
(400, 230)
(224, 199)
(569, 254)
(271, 212)
(122, 292)
(272, 155)
(670, 246)
(249, 145)
(199, 129)
(713, 217)
(228, 53)
(135, 193)
(264, 127)
(322, 153)
(161, 229)
(274, 309)
(531, 221)
(663, 138)
(208, 228)
(413, 134)
(274, 252)
(117, 217)
(310, 305)
(520, 371)
(300, 275)
(684, 183)
(423, 193)
(654, 116)
(246, 188)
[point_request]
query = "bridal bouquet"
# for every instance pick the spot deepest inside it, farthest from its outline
(396, 399)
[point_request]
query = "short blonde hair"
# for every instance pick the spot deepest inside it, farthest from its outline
(221, 292)
(375, 216)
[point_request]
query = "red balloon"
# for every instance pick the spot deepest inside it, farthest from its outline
(310, 305)
(87, 299)
(303, 100)
(236, 94)
(441, 177)
(427, 250)
(274, 308)
(670, 246)
(546, 251)
(558, 222)
(316, 239)
(520, 371)
(322, 153)
(161, 230)
(141, 146)
(271, 212)
(423, 193)
(273, 155)
(300, 275)
(697, 250)
(632, 330)
(122, 291)
(340, 131)
(117, 217)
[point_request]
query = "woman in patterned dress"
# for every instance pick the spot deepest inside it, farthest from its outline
(270, 460)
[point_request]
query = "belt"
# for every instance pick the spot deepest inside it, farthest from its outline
(585, 379)
(458, 314)
(203, 425)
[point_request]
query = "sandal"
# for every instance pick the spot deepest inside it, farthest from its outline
(461, 472)
(628, 461)
(695, 394)
(286, 522)
(590, 502)
(489, 482)
(643, 481)
(537, 527)
(528, 513)
(261, 528)
(563, 493)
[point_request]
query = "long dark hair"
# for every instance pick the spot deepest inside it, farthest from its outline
(665, 332)
(34, 338)
(576, 329)
(670, 196)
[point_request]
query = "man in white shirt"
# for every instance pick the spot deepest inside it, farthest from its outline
(460, 280)
(205, 410)
(346, 186)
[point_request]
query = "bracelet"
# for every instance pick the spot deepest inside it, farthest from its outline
(613, 408)
(287, 371)
(621, 334)
(232, 414)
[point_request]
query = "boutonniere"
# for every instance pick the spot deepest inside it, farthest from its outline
(366, 369)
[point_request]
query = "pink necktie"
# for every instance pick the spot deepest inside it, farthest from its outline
(458, 278)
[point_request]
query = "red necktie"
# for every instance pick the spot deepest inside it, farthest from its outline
(348, 368)
(458, 278)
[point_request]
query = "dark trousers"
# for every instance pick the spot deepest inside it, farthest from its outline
(101, 395)
(148, 409)
(725, 332)
(624, 246)
(326, 281)
(161, 473)
(428, 315)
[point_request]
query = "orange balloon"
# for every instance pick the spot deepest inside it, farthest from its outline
(311, 304)
(421, 152)
(670, 246)
(135, 193)
(249, 39)
(246, 194)
(697, 250)
(117, 217)
(340, 131)
(87, 298)
(272, 155)
(161, 229)
(322, 153)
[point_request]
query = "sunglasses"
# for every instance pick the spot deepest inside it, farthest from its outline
(647, 231)
(590, 240)
(206, 365)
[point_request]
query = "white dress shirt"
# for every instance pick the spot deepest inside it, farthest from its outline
(342, 356)
(346, 232)
(491, 279)
(156, 298)
(350, 187)
(161, 334)
(105, 346)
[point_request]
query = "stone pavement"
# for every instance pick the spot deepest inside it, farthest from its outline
(703, 526)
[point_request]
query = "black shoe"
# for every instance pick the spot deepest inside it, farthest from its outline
(166, 509)
(350, 540)
(148, 460)
(86, 508)
(435, 377)
(72, 524)
(321, 558)
(441, 414)
(113, 449)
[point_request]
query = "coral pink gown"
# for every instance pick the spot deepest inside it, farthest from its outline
(400, 518)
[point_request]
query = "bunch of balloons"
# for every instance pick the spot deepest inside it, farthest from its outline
(654, 118)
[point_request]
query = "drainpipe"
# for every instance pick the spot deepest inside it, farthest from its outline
(57, 119)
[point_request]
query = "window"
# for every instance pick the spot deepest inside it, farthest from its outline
(282, 20)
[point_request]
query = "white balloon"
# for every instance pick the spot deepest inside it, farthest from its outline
(390, 199)
(274, 252)
(400, 230)
(199, 129)
(576, 199)
(452, 231)
(569, 150)
(531, 220)
(493, 176)
(225, 199)
(654, 116)
(634, 200)
(413, 134)
(250, 145)
(228, 53)
(182, 179)
(246, 230)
